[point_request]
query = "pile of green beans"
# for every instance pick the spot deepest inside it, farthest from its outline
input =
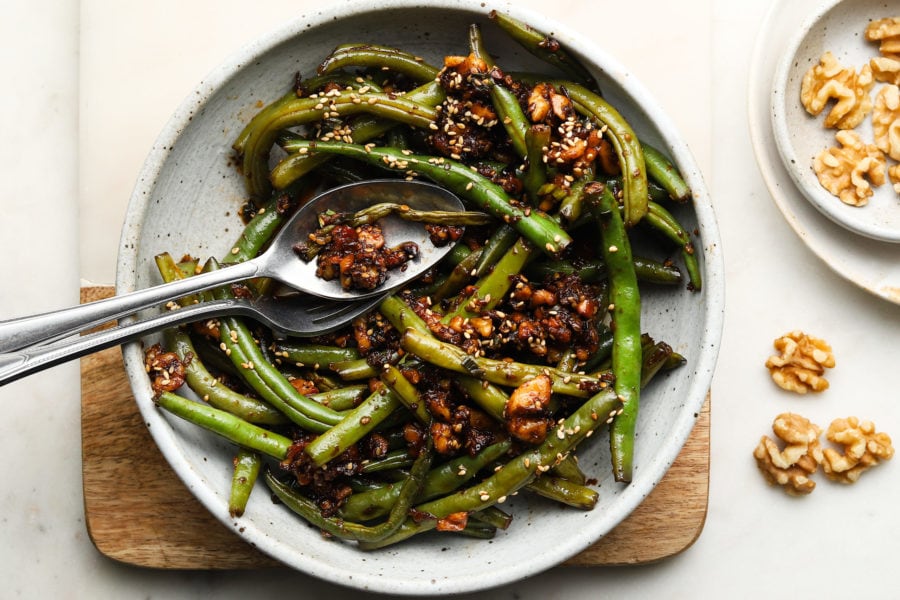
(244, 376)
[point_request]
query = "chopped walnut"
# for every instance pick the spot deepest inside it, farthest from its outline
(801, 363)
(844, 170)
(863, 448)
(527, 417)
(791, 467)
(885, 69)
(886, 120)
(829, 80)
(165, 369)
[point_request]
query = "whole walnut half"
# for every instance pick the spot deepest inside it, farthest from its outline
(851, 171)
(849, 90)
(793, 466)
(863, 449)
(800, 363)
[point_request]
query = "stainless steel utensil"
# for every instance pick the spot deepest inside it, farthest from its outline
(299, 315)
(280, 262)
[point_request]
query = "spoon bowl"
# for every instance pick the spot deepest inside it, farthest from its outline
(280, 262)
(288, 268)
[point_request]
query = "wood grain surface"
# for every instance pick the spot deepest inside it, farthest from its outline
(138, 512)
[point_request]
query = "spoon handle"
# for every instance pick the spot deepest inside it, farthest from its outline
(16, 334)
(21, 363)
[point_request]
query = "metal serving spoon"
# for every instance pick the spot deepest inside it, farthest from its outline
(279, 262)
(299, 315)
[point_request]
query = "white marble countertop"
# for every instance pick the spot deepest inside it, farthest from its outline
(88, 86)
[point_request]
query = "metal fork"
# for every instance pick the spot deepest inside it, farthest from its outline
(299, 315)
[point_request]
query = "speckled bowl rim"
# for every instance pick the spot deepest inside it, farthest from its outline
(598, 524)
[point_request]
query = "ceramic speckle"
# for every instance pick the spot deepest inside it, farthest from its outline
(838, 27)
(187, 201)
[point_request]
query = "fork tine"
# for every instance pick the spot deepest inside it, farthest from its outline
(322, 314)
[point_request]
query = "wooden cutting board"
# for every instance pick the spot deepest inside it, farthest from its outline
(137, 511)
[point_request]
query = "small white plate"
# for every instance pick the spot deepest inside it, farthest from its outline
(872, 265)
(837, 27)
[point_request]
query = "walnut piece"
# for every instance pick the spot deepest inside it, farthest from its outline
(885, 69)
(801, 363)
(894, 175)
(887, 32)
(863, 449)
(791, 467)
(886, 120)
(844, 170)
(829, 80)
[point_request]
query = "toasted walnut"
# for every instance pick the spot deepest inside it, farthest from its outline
(843, 170)
(894, 175)
(829, 80)
(886, 121)
(801, 363)
(887, 32)
(791, 467)
(527, 418)
(863, 449)
(885, 69)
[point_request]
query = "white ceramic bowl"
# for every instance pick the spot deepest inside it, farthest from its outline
(838, 26)
(187, 200)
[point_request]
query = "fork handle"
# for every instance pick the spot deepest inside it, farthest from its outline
(23, 332)
(21, 363)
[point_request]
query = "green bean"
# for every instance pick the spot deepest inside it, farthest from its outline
(570, 208)
(500, 372)
(663, 221)
(306, 110)
(401, 316)
(497, 245)
(543, 46)
(626, 326)
(353, 531)
(539, 228)
(440, 481)
(352, 427)
(624, 141)
(600, 358)
(246, 470)
(565, 492)
(226, 425)
(169, 270)
(212, 391)
(362, 129)
(504, 101)
(489, 398)
(594, 270)
(459, 276)
(656, 356)
(537, 138)
(265, 379)
(406, 392)
(356, 370)
(258, 231)
(316, 355)
(661, 169)
(398, 459)
(492, 516)
(493, 286)
(382, 57)
(342, 398)
(519, 471)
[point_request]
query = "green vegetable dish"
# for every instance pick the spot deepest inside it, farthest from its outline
(479, 380)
